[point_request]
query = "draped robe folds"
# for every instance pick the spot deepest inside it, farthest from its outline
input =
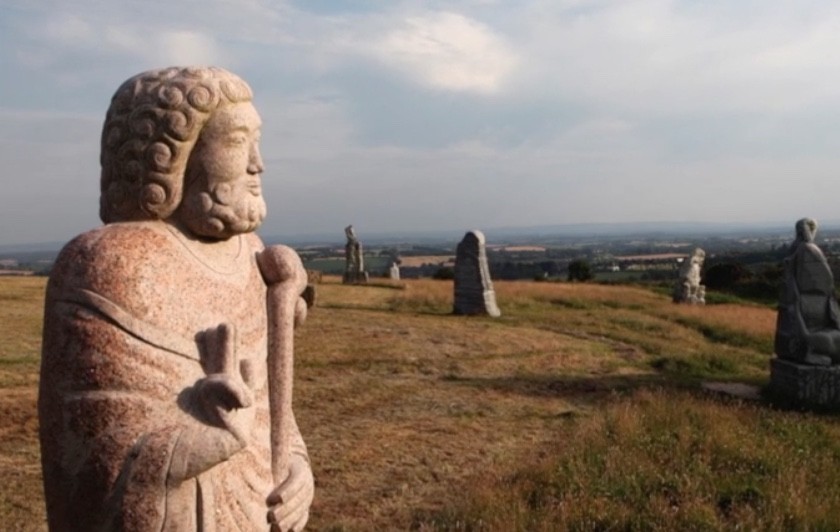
(123, 445)
(808, 321)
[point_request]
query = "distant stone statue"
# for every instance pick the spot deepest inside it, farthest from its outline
(688, 288)
(354, 267)
(808, 323)
(394, 272)
(474, 292)
(165, 392)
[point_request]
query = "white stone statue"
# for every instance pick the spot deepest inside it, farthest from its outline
(394, 272)
(166, 377)
(688, 288)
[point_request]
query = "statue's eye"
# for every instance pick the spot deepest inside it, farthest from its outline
(237, 139)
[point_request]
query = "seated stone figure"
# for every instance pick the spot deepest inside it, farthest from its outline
(807, 326)
(688, 288)
(159, 334)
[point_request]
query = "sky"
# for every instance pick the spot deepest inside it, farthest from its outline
(443, 115)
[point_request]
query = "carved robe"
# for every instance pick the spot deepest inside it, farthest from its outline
(808, 322)
(122, 445)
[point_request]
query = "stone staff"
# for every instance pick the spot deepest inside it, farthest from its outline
(285, 276)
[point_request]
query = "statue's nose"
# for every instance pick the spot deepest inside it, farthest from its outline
(255, 162)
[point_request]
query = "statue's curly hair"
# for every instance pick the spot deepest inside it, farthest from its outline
(150, 129)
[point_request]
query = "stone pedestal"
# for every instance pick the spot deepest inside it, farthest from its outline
(806, 385)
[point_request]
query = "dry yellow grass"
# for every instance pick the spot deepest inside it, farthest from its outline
(21, 500)
(405, 406)
(419, 260)
(753, 320)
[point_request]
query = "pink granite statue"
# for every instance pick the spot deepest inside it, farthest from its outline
(165, 400)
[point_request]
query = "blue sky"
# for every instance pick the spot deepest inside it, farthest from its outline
(419, 116)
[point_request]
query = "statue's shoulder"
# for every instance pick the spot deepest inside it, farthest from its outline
(122, 243)
(112, 257)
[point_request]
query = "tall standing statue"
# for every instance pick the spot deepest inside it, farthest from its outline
(688, 288)
(165, 395)
(354, 266)
(474, 293)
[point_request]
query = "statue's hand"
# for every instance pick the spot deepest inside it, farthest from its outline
(288, 504)
(282, 265)
(226, 401)
(223, 396)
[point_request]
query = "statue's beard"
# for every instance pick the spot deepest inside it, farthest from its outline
(223, 211)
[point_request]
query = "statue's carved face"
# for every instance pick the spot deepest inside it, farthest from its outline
(223, 192)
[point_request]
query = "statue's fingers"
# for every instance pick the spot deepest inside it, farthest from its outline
(300, 497)
(208, 348)
(226, 341)
(226, 392)
(287, 521)
(239, 391)
(301, 523)
(299, 476)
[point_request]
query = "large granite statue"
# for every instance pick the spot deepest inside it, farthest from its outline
(808, 323)
(165, 395)
(807, 368)
(354, 268)
(688, 288)
(474, 292)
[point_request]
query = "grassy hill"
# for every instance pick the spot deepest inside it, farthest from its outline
(580, 408)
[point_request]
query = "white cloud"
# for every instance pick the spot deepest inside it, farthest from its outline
(448, 51)
(189, 48)
(69, 30)
(668, 56)
(594, 110)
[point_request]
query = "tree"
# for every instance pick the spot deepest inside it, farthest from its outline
(726, 275)
(579, 270)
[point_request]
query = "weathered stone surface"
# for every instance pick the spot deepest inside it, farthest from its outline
(807, 326)
(806, 384)
(394, 272)
(740, 390)
(474, 292)
(354, 269)
(165, 392)
(688, 288)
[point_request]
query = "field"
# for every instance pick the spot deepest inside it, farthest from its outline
(581, 408)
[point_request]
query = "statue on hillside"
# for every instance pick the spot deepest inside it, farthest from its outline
(688, 288)
(354, 267)
(165, 393)
(808, 323)
(394, 272)
(474, 293)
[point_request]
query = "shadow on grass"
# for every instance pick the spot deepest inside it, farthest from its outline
(600, 388)
(579, 387)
